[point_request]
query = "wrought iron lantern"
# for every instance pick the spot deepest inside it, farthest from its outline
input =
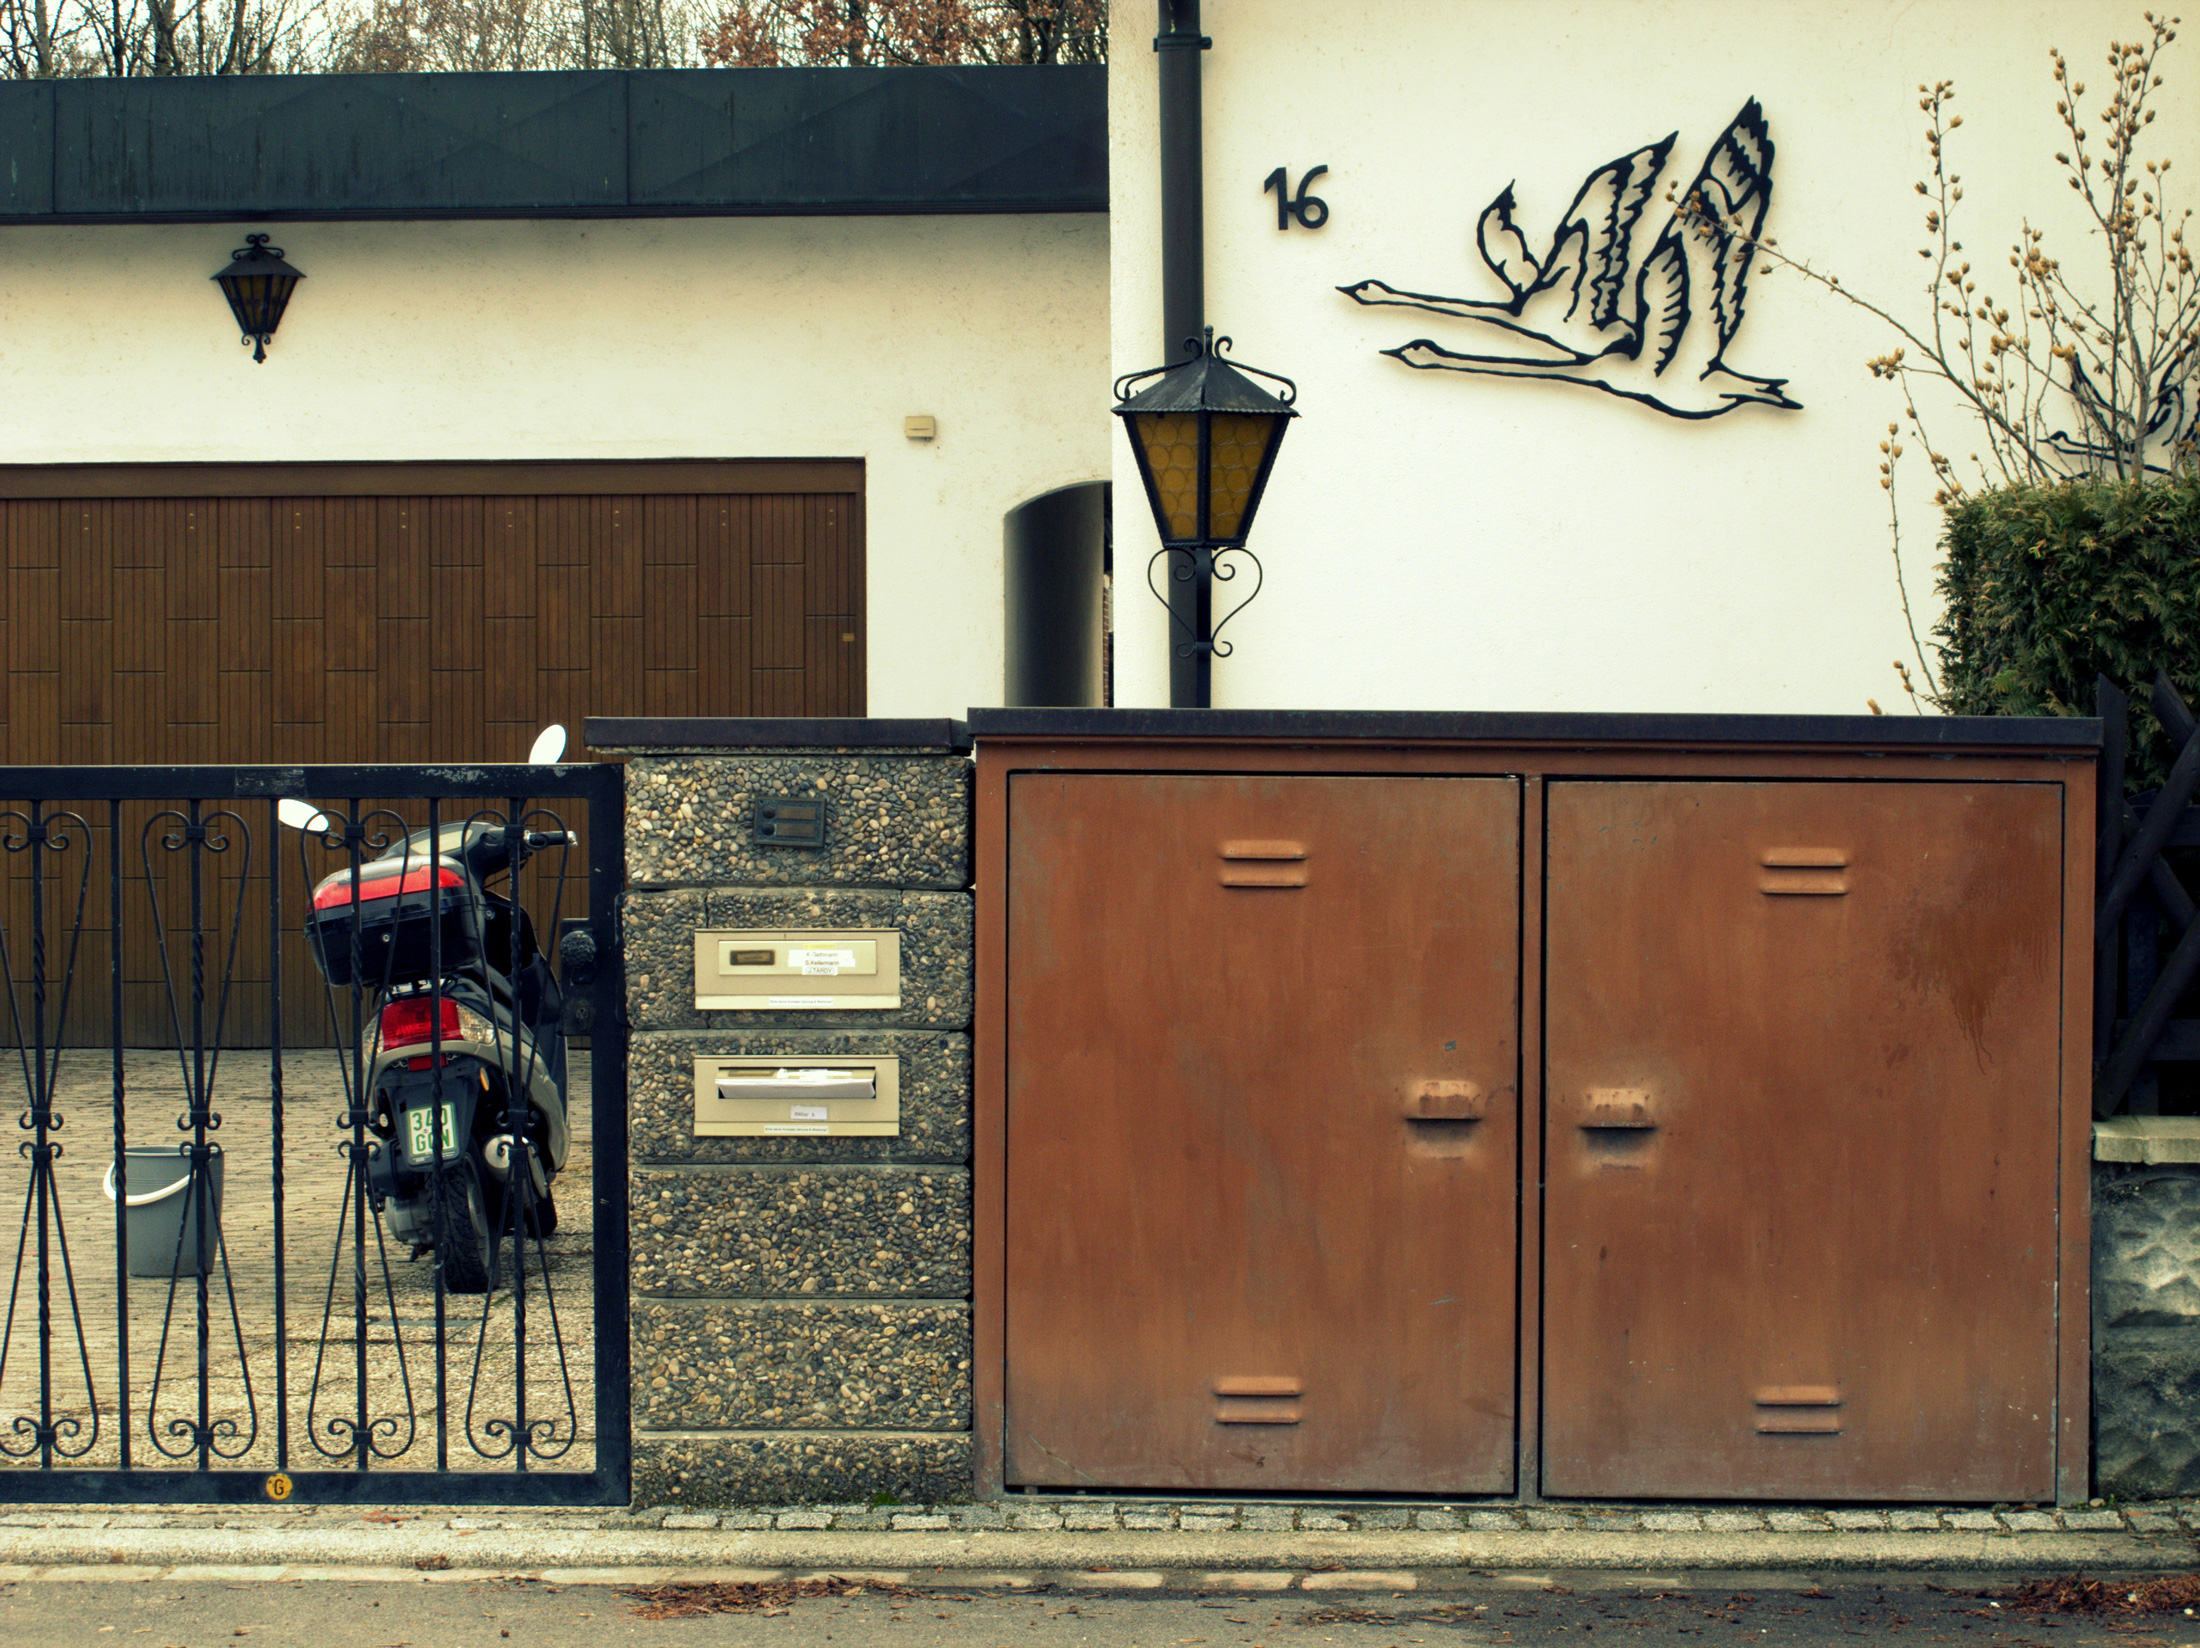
(257, 283)
(1205, 436)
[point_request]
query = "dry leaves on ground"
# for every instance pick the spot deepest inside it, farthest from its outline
(2075, 1594)
(750, 1597)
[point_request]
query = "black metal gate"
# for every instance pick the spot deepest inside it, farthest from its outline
(279, 1341)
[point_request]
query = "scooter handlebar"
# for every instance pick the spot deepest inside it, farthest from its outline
(539, 839)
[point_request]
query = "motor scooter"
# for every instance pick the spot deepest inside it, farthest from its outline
(462, 1030)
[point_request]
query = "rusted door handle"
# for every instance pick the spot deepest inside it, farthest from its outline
(1617, 1108)
(1263, 864)
(1446, 1101)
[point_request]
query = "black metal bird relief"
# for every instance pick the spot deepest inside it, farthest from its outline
(1584, 312)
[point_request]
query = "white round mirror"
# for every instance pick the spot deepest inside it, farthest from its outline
(301, 815)
(549, 746)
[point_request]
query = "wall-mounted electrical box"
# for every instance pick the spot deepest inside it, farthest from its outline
(781, 972)
(744, 1097)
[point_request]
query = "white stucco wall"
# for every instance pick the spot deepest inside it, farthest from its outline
(667, 338)
(1434, 540)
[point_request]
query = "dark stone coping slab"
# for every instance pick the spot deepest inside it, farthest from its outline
(1894, 732)
(665, 735)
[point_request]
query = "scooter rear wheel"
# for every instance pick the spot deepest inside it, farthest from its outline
(542, 1216)
(465, 1240)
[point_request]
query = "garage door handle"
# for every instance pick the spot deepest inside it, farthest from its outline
(1446, 1101)
(1617, 1108)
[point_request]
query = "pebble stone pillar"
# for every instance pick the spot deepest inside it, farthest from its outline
(2146, 1307)
(801, 1311)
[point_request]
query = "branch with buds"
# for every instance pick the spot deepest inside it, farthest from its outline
(2093, 374)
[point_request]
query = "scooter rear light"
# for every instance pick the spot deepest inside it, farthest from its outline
(409, 1020)
(335, 892)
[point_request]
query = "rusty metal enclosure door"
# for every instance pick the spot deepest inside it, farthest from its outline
(1262, 1132)
(1802, 1043)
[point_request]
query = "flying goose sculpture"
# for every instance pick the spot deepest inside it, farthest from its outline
(1573, 303)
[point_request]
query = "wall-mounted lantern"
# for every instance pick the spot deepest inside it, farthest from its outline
(257, 283)
(1205, 436)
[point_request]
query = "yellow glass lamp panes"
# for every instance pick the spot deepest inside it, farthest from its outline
(1237, 461)
(1205, 436)
(1169, 443)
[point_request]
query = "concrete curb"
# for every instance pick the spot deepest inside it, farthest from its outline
(535, 1550)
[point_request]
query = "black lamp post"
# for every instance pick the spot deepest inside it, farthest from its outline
(257, 283)
(1205, 436)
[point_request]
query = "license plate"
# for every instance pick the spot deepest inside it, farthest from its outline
(419, 1144)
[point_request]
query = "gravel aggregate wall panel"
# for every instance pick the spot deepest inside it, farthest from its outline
(890, 821)
(657, 938)
(802, 1365)
(781, 1232)
(801, 1468)
(937, 932)
(935, 1096)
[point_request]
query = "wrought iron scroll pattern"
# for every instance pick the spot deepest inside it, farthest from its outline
(49, 1435)
(523, 1217)
(1223, 571)
(199, 834)
(96, 1397)
(358, 833)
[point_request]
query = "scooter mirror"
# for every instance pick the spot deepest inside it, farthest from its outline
(301, 815)
(549, 746)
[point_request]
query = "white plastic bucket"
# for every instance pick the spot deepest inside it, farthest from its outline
(158, 1211)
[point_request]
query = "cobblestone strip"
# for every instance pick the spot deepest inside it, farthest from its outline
(1022, 1513)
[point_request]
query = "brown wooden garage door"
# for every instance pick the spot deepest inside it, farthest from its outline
(417, 612)
(413, 613)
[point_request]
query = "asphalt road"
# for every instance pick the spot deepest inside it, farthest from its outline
(1778, 1610)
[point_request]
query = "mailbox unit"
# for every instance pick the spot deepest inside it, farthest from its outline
(1596, 1106)
(743, 1097)
(798, 972)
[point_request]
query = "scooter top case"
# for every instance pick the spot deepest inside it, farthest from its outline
(387, 935)
(385, 916)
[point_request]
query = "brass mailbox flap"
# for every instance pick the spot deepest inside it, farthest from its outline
(792, 971)
(748, 1097)
(800, 1086)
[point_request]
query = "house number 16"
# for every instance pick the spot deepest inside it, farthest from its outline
(1311, 210)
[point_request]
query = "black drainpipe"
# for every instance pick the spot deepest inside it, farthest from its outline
(1183, 279)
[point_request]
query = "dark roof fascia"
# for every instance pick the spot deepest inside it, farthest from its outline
(2079, 735)
(567, 144)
